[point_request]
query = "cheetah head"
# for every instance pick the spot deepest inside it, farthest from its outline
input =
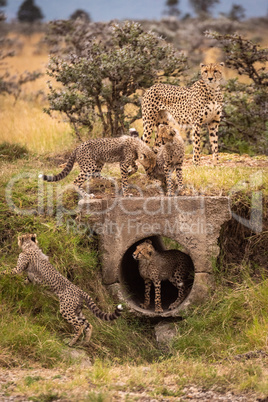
(144, 250)
(165, 133)
(148, 160)
(27, 238)
(212, 73)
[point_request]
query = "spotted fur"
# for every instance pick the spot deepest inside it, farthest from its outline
(191, 107)
(169, 157)
(93, 154)
(71, 298)
(157, 266)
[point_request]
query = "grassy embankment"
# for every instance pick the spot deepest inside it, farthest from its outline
(33, 335)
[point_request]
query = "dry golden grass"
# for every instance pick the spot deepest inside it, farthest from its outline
(24, 121)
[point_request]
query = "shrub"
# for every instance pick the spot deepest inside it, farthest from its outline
(101, 78)
(244, 125)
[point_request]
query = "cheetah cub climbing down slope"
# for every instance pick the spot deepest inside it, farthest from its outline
(93, 154)
(71, 298)
(169, 157)
(156, 266)
(191, 107)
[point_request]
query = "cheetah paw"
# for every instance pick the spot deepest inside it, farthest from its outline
(90, 195)
(144, 306)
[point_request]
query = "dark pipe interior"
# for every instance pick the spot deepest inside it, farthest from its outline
(133, 284)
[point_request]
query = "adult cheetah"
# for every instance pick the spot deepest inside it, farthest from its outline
(191, 107)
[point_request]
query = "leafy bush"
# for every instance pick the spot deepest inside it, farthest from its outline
(100, 78)
(244, 125)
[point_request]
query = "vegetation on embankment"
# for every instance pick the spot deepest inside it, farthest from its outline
(217, 344)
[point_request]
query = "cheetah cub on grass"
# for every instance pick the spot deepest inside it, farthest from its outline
(71, 298)
(157, 266)
(169, 158)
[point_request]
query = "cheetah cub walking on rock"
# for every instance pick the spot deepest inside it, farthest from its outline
(157, 266)
(93, 154)
(71, 298)
(169, 157)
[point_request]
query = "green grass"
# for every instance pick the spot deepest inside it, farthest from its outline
(234, 320)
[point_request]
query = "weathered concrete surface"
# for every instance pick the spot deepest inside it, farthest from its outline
(194, 222)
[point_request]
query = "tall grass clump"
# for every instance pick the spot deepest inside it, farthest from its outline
(233, 321)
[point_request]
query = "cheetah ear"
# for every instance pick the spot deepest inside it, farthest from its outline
(33, 238)
(142, 156)
(149, 241)
(202, 65)
(222, 64)
(19, 240)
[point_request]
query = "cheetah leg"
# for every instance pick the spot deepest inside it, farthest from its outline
(71, 313)
(179, 176)
(148, 284)
(158, 304)
(196, 144)
(213, 138)
(168, 175)
(133, 169)
(79, 181)
(86, 174)
(147, 129)
(87, 328)
(124, 177)
(77, 335)
(177, 281)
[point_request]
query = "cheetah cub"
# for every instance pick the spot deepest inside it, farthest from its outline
(93, 154)
(71, 298)
(157, 266)
(169, 157)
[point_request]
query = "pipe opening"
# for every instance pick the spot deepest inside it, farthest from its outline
(133, 284)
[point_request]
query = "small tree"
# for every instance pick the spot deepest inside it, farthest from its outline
(244, 126)
(80, 14)
(3, 3)
(172, 8)
(236, 13)
(101, 78)
(29, 12)
(203, 7)
(11, 84)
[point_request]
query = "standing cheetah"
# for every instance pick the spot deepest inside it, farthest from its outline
(93, 154)
(191, 107)
(71, 298)
(169, 157)
(156, 266)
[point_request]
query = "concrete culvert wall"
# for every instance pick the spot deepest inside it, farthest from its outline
(122, 223)
(133, 288)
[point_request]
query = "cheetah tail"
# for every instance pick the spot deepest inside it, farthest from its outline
(64, 172)
(98, 313)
